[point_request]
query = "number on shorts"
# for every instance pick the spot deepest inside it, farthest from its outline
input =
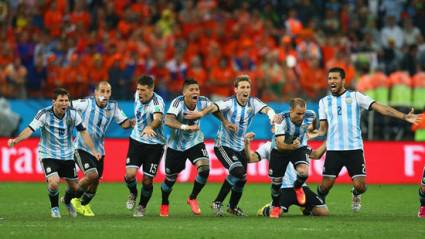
(363, 168)
(153, 168)
(204, 152)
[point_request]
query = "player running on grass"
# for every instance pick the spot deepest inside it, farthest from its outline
(186, 142)
(97, 112)
(55, 150)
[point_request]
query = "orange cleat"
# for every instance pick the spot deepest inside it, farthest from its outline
(299, 192)
(275, 212)
(194, 205)
(163, 211)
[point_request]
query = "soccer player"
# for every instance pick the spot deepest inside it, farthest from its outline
(55, 148)
(313, 204)
(339, 115)
(186, 142)
(146, 143)
(97, 112)
(289, 145)
(229, 145)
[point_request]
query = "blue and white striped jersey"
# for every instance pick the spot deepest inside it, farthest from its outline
(144, 116)
(56, 133)
(292, 131)
(264, 152)
(239, 115)
(179, 139)
(343, 116)
(97, 121)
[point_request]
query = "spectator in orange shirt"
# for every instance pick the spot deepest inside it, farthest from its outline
(220, 83)
(53, 20)
(197, 72)
(97, 72)
(311, 78)
(80, 16)
(74, 77)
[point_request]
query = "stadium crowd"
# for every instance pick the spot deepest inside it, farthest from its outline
(285, 46)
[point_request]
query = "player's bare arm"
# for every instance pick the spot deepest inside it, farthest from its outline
(271, 114)
(149, 130)
(281, 145)
(389, 111)
(318, 153)
(172, 122)
(26, 133)
(87, 140)
(128, 124)
(251, 155)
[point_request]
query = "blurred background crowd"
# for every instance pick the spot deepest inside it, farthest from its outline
(285, 47)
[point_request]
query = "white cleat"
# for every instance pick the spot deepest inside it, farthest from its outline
(131, 201)
(356, 203)
(55, 213)
(139, 211)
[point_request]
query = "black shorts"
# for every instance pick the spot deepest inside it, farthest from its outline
(230, 158)
(353, 160)
(279, 160)
(148, 155)
(63, 168)
(88, 163)
(175, 161)
(289, 198)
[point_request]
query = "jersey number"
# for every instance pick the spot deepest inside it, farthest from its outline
(339, 110)
(204, 152)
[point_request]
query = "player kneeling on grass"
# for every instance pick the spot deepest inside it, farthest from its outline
(313, 204)
(55, 149)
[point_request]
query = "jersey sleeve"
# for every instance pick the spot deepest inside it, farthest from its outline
(258, 105)
(119, 115)
(78, 122)
(279, 129)
(175, 107)
(224, 105)
(38, 121)
(364, 101)
(264, 151)
(80, 104)
(322, 113)
(205, 102)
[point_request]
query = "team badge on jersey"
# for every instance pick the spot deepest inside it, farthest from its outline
(48, 170)
(86, 165)
(349, 100)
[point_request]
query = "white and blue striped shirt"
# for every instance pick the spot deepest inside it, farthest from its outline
(264, 152)
(292, 131)
(181, 140)
(239, 115)
(97, 121)
(56, 133)
(144, 116)
(343, 116)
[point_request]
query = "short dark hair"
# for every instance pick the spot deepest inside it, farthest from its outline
(338, 70)
(60, 91)
(297, 102)
(146, 80)
(240, 79)
(189, 81)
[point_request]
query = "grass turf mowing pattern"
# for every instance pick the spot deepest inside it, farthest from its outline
(387, 212)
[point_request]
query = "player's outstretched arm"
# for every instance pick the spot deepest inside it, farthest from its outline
(195, 115)
(271, 114)
(390, 111)
(25, 134)
(172, 122)
(87, 140)
(128, 123)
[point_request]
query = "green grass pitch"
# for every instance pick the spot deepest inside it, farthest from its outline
(389, 211)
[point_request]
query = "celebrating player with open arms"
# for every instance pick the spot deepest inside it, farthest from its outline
(55, 150)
